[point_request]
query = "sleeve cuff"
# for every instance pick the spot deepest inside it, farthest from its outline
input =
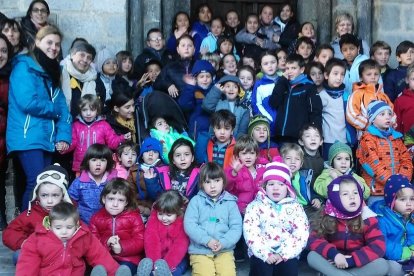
(332, 253)
(406, 253)
(351, 262)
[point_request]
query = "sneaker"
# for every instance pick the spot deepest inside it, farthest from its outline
(99, 270)
(123, 270)
(145, 267)
(161, 268)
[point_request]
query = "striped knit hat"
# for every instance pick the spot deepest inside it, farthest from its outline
(277, 170)
(376, 107)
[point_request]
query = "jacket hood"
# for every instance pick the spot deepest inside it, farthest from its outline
(376, 132)
(368, 87)
(225, 196)
(262, 197)
(408, 92)
(32, 64)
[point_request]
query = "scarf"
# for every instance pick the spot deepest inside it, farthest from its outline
(87, 78)
(302, 78)
(50, 66)
(129, 124)
(334, 92)
(107, 81)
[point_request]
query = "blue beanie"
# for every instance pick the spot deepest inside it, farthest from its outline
(395, 183)
(376, 107)
(203, 66)
(148, 144)
(231, 78)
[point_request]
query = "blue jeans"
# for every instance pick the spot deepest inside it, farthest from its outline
(181, 267)
(16, 255)
(33, 162)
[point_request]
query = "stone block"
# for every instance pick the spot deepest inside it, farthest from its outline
(118, 6)
(387, 17)
(409, 18)
(65, 6)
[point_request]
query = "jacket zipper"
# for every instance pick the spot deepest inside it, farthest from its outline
(26, 125)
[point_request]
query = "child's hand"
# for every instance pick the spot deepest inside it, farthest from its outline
(173, 91)
(203, 50)
(214, 245)
(236, 165)
(276, 38)
(189, 79)
(144, 210)
(127, 136)
(333, 173)
(220, 87)
(340, 261)
(144, 80)
(316, 203)
(259, 42)
(149, 173)
(61, 146)
(274, 259)
(112, 240)
(116, 247)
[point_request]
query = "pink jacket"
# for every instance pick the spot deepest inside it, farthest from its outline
(84, 135)
(244, 186)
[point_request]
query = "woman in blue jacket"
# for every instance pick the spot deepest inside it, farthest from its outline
(38, 120)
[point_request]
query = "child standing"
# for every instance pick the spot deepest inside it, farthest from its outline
(107, 68)
(281, 55)
(380, 52)
(275, 226)
(126, 161)
(125, 61)
(381, 151)
(118, 225)
(259, 130)
(96, 170)
(306, 48)
(314, 70)
(347, 237)
(180, 25)
(247, 78)
(209, 43)
(213, 224)
(200, 26)
(166, 243)
(404, 105)
(395, 220)
(323, 53)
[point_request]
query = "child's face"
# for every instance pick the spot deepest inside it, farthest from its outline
(308, 30)
(246, 79)
(204, 80)
(88, 114)
(97, 167)
(126, 65)
(149, 157)
(128, 157)
(344, 27)
(350, 199)
(383, 121)
(64, 229)
(260, 133)
(370, 76)
(281, 56)
(324, 56)
(49, 195)
(342, 162)
(407, 58)
(267, 15)
(311, 140)
(204, 15)
(248, 158)
(185, 48)
(162, 125)
(231, 90)
(286, 13)
(232, 19)
(155, 41)
(276, 190)
(248, 61)
(115, 203)
(252, 25)
(230, 64)
(404, 204)
(336, 76)
(410, 81)
(183, 157)
(293, 70)
(223, 133)
(226, 47)
(316, 75)
(350, 51)
(110, 67)
(182, 22)
(126, 111)
(293, 160)
(166, 218)
(381, 56)
(213, 187)
(216, 27)
(153, 71)
(269, 65)
(305, 50)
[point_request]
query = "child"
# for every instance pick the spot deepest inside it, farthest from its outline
(180, 25)
(226, 45)
(296, 100)
(263, 89)
(181, 174)
(118, 225)
(395, 220)
(346, 237)
(289, 27)
(267, 27)
(281, 55)
(394, 83)
(51, 188)
(246, 75)
(293, 156)
(90, 128)
(107, 68)
(363, 93)
(126, 160)
(305, 47)
(232, 27)
(145, 85)
(165, 241)
(213, 224)
(214, 59)
(125, 61)
(96, 170)
(209, 43)
(166, 134)
(228, 66)
(404, 105)
(339, 162)
(381, 151)
(323, 53)
(380, 52)
(259, 130)
(200, 26)
(314, 70)
(230, 87)
(307, 30)
(275, 226)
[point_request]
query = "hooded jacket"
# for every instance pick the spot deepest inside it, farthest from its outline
(404, 109)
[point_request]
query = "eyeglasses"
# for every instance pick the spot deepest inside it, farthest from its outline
(42, 11)
(155, 39)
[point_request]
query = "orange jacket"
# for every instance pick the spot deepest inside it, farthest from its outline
(227, 156)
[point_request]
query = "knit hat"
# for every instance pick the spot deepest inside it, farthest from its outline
(277, 170)
(376, 107)
(102, 56)
(336, 149)
(395, 183)
(203, 66)
(231, 78)
(258, 120)
(148, 144)
(53, 174)
(334, 206)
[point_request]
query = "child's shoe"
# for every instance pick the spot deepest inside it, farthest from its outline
(99, 270)
(123, 270)
(161, 268)
(145, 267)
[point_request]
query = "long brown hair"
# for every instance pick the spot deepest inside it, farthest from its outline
(328, 225)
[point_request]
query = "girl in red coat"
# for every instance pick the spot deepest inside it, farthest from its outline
(118, 225)
(165, 241)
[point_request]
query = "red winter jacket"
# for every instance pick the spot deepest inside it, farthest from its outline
(23, 226)
(166, 242)
(404, 109)
(45, 254)
(128, 226)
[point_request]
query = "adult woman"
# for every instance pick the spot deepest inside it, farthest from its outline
(36, 18)
(289, 27)
(38, 120)
(12, 30)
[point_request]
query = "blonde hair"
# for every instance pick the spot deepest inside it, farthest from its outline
(245, 142)
(342, 17)
(291, 147)
(48, 30)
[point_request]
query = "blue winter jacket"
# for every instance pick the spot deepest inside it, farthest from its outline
(38, 116)
(394, 82)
